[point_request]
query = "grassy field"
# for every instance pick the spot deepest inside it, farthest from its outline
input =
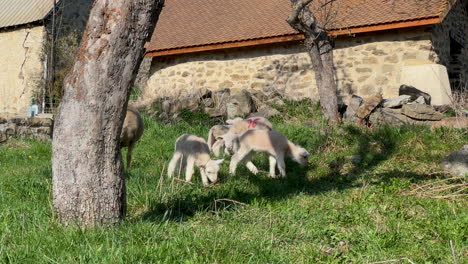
(333, 211)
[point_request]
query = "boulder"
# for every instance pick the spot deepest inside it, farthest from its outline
(190, 102)
(214, 112)
(370, 103)
(454, 122)
(208, 102)
(239, 104)
(396, 102)
(352, 108)
(166, 106)
(457, 162)
(267, 111)
(275, 101)
(421, 112)
(389, 116)
(414, 93)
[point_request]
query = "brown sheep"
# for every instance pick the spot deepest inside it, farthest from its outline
(132, 131)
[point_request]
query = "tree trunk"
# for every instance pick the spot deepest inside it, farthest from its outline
(88, 181)
(320, 50)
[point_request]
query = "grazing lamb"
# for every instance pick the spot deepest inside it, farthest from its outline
(272, 142)
(239, 126)
(193, 151)
(132, 131)
(214, 141)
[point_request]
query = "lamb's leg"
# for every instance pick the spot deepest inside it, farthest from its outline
(189, 169)
(173, 164)
(216, 147)
(129, 154)
(281, 165)
(272, 166)
(252, 167)
(203, 176)
(239, 156)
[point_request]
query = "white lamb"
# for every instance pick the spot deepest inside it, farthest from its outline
(214, 141)
(193, 151)
(272, 142)
(239, 126)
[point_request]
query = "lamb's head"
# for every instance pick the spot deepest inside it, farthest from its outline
(301, 156)
(230, 142)
(211, 169)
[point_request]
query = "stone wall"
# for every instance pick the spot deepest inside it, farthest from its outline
(455, 26)
(20, 126)
(366, 64)
(21, 67)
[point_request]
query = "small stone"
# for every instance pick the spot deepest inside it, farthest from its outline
(397, 101)
(370, 60)
(457, 162)
(391, 59)
(379, 53)
(420, 100)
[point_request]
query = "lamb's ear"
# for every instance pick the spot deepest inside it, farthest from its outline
(219, 161)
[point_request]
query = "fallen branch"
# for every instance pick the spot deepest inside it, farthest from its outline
(229, 200)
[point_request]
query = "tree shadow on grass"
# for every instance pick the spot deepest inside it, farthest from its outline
(373, 146)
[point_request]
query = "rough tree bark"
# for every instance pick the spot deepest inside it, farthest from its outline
(320, 49)
(88, 181)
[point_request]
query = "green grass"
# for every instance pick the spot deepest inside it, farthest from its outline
(330, 212)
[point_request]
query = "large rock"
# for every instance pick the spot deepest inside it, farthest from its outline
(214, 112)
(190, 102)
(457, 162)
(414, 93)
(421, 112)
(454, 122)
(370, 103)
(429, 78)
(389, 116)
(353, 107)
(267, 111)
(239, 104)
(396, 102)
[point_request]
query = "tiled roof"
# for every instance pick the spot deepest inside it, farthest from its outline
(19, 12)
(191, 23)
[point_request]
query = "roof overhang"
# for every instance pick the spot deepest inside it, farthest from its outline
(294, 37)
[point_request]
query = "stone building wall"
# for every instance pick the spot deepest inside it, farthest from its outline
(366, 64)
(21, 67)
(455, 27)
